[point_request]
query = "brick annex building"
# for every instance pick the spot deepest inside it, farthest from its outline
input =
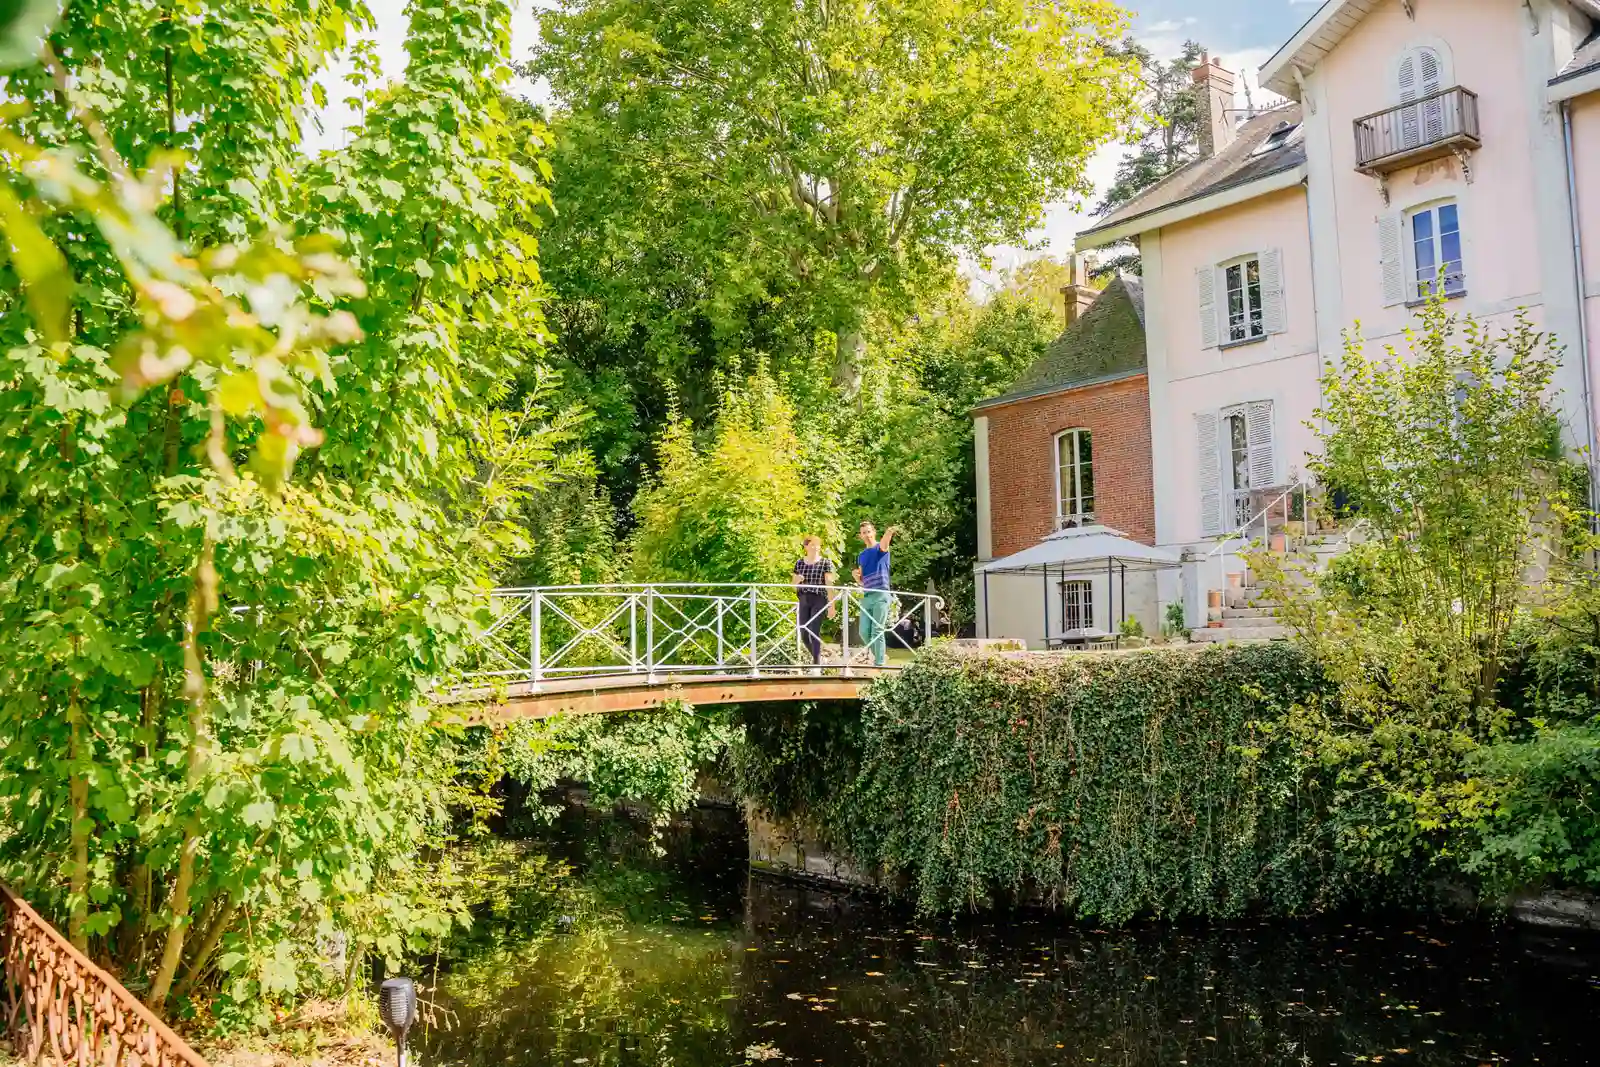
(1068, 446)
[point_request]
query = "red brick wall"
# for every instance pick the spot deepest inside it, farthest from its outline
(1022, 493)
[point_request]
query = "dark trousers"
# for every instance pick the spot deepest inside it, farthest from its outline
(813, 605)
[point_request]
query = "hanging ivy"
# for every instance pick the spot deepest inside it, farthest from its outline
(1112, 787)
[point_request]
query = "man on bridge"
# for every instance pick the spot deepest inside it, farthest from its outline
(872, 574)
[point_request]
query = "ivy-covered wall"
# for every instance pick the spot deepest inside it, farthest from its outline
(1112, 786)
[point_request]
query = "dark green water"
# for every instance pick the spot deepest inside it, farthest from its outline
(592, 950)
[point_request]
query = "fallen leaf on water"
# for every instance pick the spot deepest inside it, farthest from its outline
(874, 974)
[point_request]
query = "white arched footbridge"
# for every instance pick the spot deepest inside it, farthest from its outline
(588, 648)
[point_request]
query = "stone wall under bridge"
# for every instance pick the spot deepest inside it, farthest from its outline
(789, 848)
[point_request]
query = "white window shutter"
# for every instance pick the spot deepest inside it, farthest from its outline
(1205, 425)
(1392, 261)
(1206, 279)
(1406, 77)
(1430, 72)
(1274, 315)
(1263, 464)
(1410, 118)
(1431, 79)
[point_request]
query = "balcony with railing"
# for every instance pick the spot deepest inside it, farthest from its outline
(1442, 124)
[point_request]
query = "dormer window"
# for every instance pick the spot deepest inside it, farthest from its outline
(1284, 135)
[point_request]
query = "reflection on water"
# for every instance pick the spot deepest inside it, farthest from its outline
(591, 949)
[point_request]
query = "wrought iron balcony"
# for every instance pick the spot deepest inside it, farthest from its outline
(1443, 124)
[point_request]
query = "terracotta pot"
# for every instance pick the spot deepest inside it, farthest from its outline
(1279, 543)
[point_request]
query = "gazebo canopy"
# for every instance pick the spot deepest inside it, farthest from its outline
(1086, 549)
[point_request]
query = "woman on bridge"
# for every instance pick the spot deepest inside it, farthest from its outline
(813, 575)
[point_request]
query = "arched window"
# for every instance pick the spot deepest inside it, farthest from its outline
(1421, 74)
(1074, 479)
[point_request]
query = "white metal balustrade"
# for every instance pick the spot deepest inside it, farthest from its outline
(545, 634)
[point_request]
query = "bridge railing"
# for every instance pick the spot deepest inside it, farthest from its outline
(537, 635)
(63, 1010)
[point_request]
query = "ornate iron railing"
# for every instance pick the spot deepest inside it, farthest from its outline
(537, 635)
(1422, 127)
(62, 1008)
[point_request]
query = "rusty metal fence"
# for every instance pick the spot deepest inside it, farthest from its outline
(62, 1009)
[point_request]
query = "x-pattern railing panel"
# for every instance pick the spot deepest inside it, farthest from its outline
(539, 634)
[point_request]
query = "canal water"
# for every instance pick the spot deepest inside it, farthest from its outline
(594, 947)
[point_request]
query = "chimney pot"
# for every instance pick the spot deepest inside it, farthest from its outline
(1079, 295)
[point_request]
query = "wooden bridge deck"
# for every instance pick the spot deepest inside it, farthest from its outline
(632, 692)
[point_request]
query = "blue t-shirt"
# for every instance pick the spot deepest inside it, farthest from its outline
(874, 564)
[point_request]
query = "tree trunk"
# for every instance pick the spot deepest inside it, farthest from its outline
(79, 788)
(850, 352)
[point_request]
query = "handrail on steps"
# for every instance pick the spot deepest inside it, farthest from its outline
(1240, 533)
(71, 1011)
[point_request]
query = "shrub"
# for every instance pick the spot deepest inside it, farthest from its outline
(1153, 783)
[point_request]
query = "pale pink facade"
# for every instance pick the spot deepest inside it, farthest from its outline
(1281, 368)
(1453, 134)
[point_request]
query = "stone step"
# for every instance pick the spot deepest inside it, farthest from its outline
(1251, 616)
(1219, 634)
(1238, 599)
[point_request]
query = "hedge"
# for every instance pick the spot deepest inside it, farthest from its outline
(1150, 783)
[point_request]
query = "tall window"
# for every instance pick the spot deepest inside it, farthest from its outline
(1074, 478)
(1436, 244)
(1077, 605)
(1247, 444)
(1243, 283)
(1419, 76)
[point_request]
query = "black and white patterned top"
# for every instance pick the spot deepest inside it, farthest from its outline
(814, 576)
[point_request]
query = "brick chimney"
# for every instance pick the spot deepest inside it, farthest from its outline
(1213, 87)
(1079, 295)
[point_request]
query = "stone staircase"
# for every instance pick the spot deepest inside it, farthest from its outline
(1247, 614)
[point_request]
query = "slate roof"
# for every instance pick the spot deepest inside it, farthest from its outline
(1587, 58)
(1235, 165)
(1105, 344)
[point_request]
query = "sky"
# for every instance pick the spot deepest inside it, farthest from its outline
(1243, 34)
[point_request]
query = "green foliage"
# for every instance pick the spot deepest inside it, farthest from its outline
(1132, 627)
(1541, 827)
(1109, 786)
(652, 759)
(735, 510)
(1166, 134)
(911, 442)
(1174, 623)
(217, 736)
(1444, 455)
(746, 152)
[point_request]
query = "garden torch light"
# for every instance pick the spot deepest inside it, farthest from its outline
(397, 1003)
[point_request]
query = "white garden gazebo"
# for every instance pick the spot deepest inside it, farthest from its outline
(1082, 559)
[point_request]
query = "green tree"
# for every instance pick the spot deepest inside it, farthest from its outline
(735, 509)
(1166, 134)
(913, 442)
(215, 709)
(1164, 138)
(826, 154)
(1449, 456)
